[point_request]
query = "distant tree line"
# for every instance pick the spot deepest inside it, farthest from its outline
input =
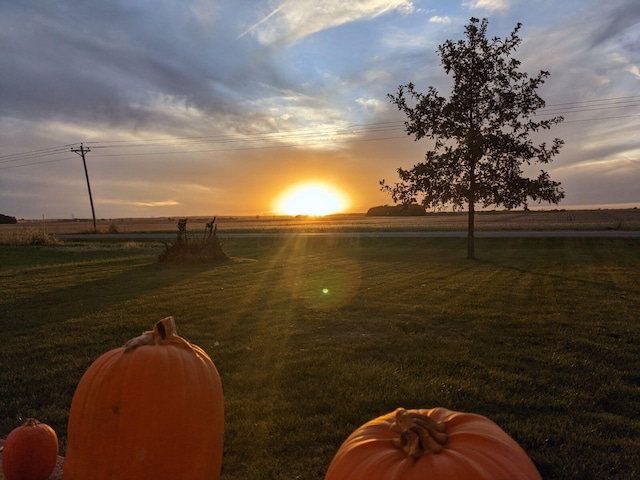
(411, 210)
(7, 219)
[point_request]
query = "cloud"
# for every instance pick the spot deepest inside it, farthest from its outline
(599, 168)
(627, 65)
(111, 64)
(582, 68)
(488, 5)
(617, 21)
(221, 121)
(634, 70)
(440, 20)
(130, 203)
(162, 203)
(293, 20)
(372, 104)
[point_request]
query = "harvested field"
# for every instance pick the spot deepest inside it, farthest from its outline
(612, 219)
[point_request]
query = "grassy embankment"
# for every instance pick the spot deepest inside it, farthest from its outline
(313, 337)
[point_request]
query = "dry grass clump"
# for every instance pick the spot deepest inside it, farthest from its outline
(190, 250)
(28, 237)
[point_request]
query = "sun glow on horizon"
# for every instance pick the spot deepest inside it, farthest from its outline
(311, 198)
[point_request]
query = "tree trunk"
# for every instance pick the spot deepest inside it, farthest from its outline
(471, 249)
(471, 198)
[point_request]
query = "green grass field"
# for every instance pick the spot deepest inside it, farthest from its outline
(313, 337)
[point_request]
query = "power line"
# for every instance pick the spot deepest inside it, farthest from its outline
(227, 138)
(82, 151)
(600, 118)
(327, 131)
(252, 142)
(291, 139)
(595, 100)
(37, 163)
(45, 152)
(588, 108)
(238, 148)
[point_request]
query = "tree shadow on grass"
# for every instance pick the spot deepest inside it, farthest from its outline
(61, 304)
(50, 337)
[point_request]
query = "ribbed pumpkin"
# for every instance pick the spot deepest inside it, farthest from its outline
(150, 410)
(30, 452)
(436, 444)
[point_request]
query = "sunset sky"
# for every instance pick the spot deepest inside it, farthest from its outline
(219, 107)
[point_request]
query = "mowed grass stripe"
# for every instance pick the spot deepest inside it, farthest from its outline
(313, 337)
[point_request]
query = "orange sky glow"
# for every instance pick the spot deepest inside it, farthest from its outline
(311, 198)
(201, 108)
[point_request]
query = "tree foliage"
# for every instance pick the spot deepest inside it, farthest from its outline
(481, 133)
(404, 210)
(7, 219)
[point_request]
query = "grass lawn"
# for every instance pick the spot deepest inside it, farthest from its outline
(315, 336)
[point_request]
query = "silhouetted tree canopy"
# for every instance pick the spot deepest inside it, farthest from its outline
(7, 219)
(482, 132)
(412, 210)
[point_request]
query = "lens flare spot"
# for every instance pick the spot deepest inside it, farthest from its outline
(332, 286)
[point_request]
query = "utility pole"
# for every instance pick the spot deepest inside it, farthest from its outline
(81, 151)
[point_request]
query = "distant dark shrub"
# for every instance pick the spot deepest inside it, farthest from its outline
(6, 219)
(411, 210)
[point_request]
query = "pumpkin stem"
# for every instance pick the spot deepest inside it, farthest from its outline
(419, 433)
(163, 331)
(159, 328)
(31, 422)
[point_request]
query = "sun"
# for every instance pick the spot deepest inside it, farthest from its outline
(311, 198)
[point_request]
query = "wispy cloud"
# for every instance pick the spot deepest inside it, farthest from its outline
(373, 104)
(130, 203)
(263, 20)
(633, 69)
(618, 19)
(627, 65)
(222, 106)
(293, 20)
(440, 20)
(488, 5)
(163, 203)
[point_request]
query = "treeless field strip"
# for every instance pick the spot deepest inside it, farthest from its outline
(623, 219)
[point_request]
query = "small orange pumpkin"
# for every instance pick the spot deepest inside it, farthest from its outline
(149, 410)
(431, 444)
(30, 452)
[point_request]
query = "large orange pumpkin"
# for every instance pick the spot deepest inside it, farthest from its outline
(437, 444)
(150, 410)
(30, 452)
